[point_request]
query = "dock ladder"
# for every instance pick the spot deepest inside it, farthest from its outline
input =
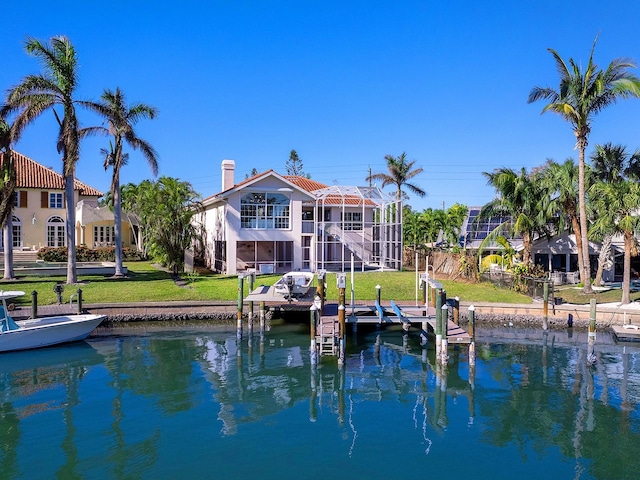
(328, 332)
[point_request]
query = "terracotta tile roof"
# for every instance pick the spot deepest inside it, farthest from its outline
(31, 174)
(305, 183)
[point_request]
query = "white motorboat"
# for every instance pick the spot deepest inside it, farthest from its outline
(294, 284)
(44, 331)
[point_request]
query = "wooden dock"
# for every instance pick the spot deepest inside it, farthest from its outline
(627, 332)
(404, 315)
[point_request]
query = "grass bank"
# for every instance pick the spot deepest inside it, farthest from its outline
(146, 283)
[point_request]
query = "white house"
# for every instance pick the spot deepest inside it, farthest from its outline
(280, 223)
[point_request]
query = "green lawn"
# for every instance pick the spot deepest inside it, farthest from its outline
(148, 283)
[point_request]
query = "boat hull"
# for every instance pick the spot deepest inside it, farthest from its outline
(47, 331)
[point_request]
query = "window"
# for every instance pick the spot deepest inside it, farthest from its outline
(264, 210)
(16, 226)
(55, 232)
(352, 221)
(103, 235)
(55, 200)
(16, 199)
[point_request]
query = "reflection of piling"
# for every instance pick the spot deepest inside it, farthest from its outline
(545, 306)
(591, 357)
(313, 413)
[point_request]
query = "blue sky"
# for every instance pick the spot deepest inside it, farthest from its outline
(342, 82)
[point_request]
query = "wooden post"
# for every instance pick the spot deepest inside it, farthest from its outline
(250, 280)
(438, 298)
(321, 288)
(341, 335)
(263, 315)
(472, 333)
(424, 297)
(444, 356)
(79, 301)
(34, 304)
(240, 304)
(313, 349)
(545, 306)
(591, 357)
(456, 311)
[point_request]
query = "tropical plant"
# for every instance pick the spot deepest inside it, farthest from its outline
(121, 119)
(505, 259)
(581, 95)
(55, 86)
(616, 199)
(7, 193)
(166, 209)
(522, 199)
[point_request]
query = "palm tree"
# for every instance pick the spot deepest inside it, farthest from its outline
(400, 173)
(7, 193)
(55, 86)
(616, 199)
(579, 97)
(561, 179)
(122, 119)
(521, 197)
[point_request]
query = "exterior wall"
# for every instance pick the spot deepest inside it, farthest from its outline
(34, 217)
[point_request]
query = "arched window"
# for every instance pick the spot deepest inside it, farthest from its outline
(55, 232)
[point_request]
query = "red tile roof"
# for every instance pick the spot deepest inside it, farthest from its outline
(31, 174)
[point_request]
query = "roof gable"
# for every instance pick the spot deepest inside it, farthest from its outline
(31, 174)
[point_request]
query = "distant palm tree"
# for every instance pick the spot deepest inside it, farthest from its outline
(400, 173)
(579, 97)
(38, 93)
(7, 193)
(561, 179)
(615, 197)
(122, 119)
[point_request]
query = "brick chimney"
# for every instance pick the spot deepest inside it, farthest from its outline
(228, 170)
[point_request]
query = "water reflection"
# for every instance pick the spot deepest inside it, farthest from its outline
(128, 402)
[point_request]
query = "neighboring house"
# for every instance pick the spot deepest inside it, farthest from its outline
(40, 212)
(279, 223)
(557, 255)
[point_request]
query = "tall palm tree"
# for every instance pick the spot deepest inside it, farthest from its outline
(561, 179)
(400, 173)
(579, 97)
(122, 119)
(55, 86)
(615, 197)
(522, 197)
(7, 193)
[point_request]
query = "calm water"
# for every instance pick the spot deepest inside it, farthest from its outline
(193, 402)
